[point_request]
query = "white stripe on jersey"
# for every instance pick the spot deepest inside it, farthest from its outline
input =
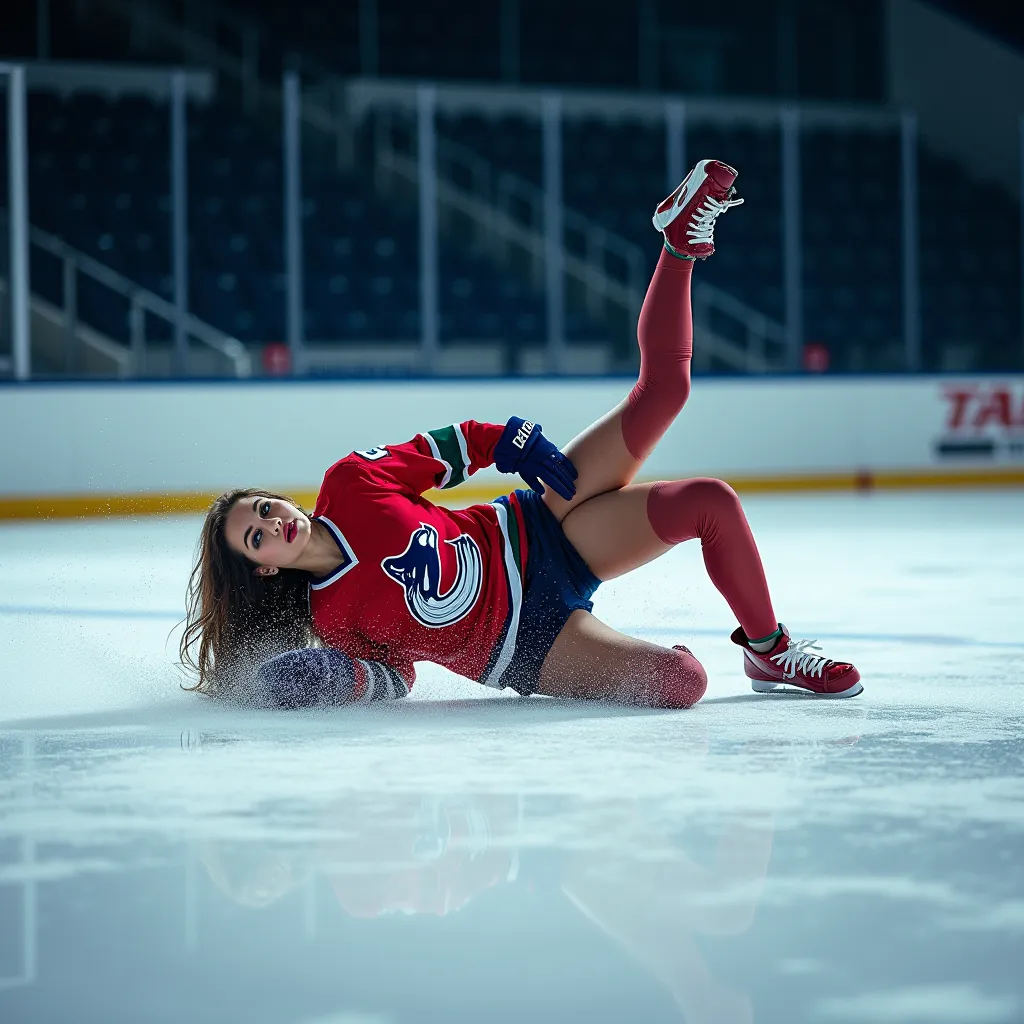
(515, 586)
(376, 672)
(463, 449)
(371, 680)
(436, 453)
(401, 687)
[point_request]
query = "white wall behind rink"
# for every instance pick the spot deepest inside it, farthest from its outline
(127, 438)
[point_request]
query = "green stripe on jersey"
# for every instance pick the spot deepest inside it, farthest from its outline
(451, 450)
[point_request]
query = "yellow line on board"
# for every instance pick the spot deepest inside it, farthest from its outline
(73, 506)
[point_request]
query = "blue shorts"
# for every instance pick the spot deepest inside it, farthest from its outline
(557, 582)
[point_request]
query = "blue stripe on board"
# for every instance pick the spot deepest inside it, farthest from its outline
(833, 377)
(914, 639)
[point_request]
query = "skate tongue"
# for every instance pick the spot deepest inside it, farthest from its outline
(716, 169)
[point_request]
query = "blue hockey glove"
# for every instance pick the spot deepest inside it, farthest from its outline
(523, 449)
(308, 677)
(323, 677)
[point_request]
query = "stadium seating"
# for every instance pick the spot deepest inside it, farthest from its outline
(850, 222)
(99, 178)
(851, 215)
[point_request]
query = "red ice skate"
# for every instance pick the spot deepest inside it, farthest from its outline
(790, 662)
(687, 218)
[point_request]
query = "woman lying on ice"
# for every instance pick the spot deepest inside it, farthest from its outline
(293, 610)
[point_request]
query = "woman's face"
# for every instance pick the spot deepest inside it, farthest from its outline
(271, 532)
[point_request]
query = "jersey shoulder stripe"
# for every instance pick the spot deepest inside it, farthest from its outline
(448, 446)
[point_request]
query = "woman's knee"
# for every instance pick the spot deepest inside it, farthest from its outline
(679, 510)
(678, 681)
(662, 393)
(711, 496)
(651, 407)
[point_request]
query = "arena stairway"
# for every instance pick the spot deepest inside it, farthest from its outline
(63, 343)
(86, 353)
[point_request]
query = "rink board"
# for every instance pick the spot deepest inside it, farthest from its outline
(80, 449)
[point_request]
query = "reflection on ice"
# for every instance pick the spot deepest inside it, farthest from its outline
(672, 875)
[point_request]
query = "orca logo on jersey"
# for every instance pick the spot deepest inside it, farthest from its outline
(418, 570)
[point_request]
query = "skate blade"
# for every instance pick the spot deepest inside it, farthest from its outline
(784, 688)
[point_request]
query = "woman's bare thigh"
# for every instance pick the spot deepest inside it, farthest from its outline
(591, 660)
(612, 532)
(601, 458)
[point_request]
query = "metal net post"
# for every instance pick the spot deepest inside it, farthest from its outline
(792, 242)
(553, 232)
(1021, 201)
(293, 219)
(179, 221)
(17, 221)
(911, 284)
(426, 146)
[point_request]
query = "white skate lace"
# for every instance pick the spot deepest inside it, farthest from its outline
(702, 224)
(796, 658)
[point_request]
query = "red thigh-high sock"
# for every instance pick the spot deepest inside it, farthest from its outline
(710, 509)
(665, 332)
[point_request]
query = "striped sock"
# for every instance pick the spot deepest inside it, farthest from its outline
(675, 252)
(766, 643)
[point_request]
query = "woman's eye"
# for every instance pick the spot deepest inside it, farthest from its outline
(265, 510)
(256, 538)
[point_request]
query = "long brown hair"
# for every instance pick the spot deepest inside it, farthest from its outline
(236, 620)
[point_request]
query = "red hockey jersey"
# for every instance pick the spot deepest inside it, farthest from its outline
(419, 582)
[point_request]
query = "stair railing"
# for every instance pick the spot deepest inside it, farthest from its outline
(610, 268)
(140, 302)
(513, 225)
(762, 340)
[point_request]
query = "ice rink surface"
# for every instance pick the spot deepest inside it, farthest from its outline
(471, 856)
